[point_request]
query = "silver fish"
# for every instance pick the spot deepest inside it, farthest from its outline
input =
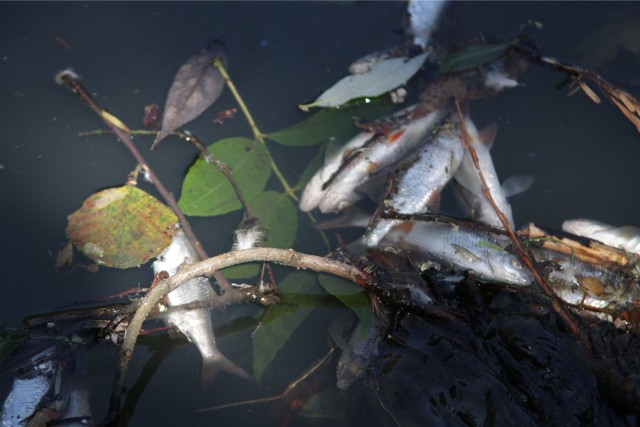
(356, 357)
(467, 177)
(420, 181)
(195, 324)
(626, 237)
(408, 129)
(313, 192)
(588, 287)
(461, 248)
(30, 389)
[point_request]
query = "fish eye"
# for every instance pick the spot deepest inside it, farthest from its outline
(516, 264)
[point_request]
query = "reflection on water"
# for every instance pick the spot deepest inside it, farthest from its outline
(506, 361)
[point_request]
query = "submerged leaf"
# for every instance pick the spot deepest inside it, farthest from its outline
(473, 56)
(10, 340)
(283, 319)
(207, 192)
(279, 216)
(385, 76)
(195, 87)
(350, 295)
(330, 123)
(121, 227)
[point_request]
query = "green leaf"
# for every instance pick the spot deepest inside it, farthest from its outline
(471, 57)
(207, 192)
(121, 227)
(280, 217)
(330, 123)
(297, 289)
(10, 340)
(385, 76)
(351, 296)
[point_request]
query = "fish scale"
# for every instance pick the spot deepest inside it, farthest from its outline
(462, 248)
(414, 123)
(195, 323)
(420, 181)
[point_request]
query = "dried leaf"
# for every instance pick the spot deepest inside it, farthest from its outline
(107, 116)
(195, 87)
(64, 257)
(385, 76)
(624, 97)
(632, 118)
(121, 227)
(589, 92)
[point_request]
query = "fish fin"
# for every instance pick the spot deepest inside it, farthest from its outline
(351, 217)
(488, 135)
(517, 184)
(211, 367)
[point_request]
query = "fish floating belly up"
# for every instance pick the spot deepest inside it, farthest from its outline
(195, 324)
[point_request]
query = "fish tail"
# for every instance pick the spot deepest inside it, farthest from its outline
(212, 366)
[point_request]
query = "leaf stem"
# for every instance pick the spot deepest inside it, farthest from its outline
(256, 132)
(70, 79)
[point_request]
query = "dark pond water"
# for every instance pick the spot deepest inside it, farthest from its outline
(584, 158)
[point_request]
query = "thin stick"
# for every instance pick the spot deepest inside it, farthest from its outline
(259, 137)
(70, 79)
(559, 308)
(256, 132)
(208, 268)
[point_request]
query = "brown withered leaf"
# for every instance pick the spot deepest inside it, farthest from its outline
(195, 87)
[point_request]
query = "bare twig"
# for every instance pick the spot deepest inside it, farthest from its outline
(557, 305)
(208, 268)
(70, 79)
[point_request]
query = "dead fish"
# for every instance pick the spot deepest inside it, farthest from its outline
(467, 176)
(356, 357)
(408, 129)
(480, 251)
(626, 237)
(30, 389)
(588, 287)
(420, 181)
(422, 20)
(334, 156)
(195, 324)
(350, 217)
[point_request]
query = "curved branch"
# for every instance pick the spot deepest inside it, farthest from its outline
(208, 268)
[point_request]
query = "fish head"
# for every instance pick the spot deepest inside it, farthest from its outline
(338, 198)
(513, 271)
(312, 194)
(349, 369)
